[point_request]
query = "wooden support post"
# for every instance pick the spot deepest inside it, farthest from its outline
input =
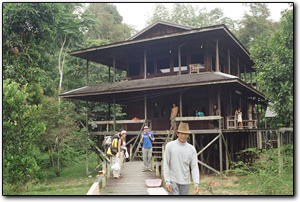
(145, 63)
(219, 107)
(114, 69)
(162, 163)
(238, 68)
(130, 155)
(157, 164)
(280, 159)
(99, 144)
(145, 106)
(201, 155)
(230, 102)
(251, 78)
(229, 67)
(217, 56)
(87, 71)
(109, 74)
(87, 145)
(226, 153)
(104, 168)
(194, 140)
(245, 74)
(180, 103)
(114, 103)
(179, 60)
(221, 153)
(152, 162)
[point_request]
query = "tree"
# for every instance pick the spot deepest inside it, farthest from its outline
(255, 24)
(186, 14)
(28, 32)
(109, 23)
(62, 131)
(274, 64)
(73, 23)
(21, 129)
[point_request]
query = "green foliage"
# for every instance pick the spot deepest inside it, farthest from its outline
(186, 14)
(109, 23)
(265, 176)
(275, 66)
(255, 25)
(21, 129)
(28, 30)
(63, 132)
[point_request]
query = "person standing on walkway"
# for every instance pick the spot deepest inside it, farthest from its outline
(146, 139)
(117, 160)
(179, 157)
(173, 115)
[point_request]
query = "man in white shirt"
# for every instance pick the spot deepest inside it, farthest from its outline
(179, 157)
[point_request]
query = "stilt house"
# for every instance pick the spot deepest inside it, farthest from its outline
(194, 68)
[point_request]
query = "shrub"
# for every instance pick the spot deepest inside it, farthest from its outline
(267, 174)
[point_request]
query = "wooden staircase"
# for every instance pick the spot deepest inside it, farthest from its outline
(161, 139)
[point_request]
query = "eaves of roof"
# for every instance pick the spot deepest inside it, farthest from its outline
(176, 81)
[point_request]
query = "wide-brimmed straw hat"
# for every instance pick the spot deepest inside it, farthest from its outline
(184, 128)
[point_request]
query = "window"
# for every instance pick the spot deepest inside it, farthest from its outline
(150, 67)
(183, 64)
(163, 65)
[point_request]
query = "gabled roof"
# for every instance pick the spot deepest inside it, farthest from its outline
(159, 24)
(104, 54)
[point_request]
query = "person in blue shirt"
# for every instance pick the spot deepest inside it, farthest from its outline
(146, 139)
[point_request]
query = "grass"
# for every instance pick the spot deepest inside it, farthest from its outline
(72, 181)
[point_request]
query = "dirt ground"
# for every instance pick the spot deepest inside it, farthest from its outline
(223, 186)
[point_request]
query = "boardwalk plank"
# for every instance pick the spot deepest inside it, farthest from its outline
(132, 183)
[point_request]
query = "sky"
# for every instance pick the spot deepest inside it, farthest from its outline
(137, 14)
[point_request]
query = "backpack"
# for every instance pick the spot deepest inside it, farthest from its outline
(114, 142)
(107, 141)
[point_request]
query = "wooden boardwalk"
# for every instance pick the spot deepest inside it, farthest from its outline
(132, 181)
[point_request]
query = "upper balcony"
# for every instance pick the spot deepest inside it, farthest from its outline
(164, 49)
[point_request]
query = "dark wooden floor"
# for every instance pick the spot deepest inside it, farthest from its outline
(132, 183)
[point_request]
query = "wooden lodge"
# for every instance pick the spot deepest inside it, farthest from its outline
(195, 68)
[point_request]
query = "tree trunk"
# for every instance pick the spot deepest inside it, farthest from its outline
(61, 61)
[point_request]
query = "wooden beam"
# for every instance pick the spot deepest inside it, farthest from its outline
(114, 104)
(87, 70)
(221, 153)
(114, 69)
(209, 167)
(228, 59)
(198, 118)
(230, 102)
(245, 74)
(118, 122)
(179, 60)
(145, 106)
(209, 144)
(217, 56)
(87, 146)
(145, 63)
(219, 105)
(180, 104)
(238, 68)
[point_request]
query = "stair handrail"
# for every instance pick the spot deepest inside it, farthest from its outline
(137, 137)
